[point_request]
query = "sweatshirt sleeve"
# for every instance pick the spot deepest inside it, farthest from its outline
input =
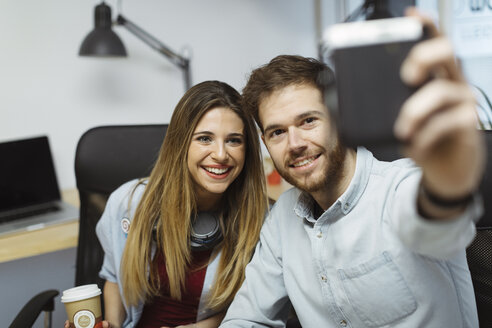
(109, 230)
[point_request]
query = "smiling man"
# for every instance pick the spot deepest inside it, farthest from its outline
(360, 242)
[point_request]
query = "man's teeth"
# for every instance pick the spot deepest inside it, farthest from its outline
(215, 170)
(304, 162)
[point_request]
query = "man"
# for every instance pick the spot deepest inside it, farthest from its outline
(360, 242)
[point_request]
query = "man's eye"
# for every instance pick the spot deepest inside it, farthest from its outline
(277, 132)
(309, 120)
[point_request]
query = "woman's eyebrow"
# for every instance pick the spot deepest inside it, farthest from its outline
(203, 132)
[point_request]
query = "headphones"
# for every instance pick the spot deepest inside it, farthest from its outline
(205, 231)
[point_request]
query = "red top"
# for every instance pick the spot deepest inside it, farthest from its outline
(168, 312)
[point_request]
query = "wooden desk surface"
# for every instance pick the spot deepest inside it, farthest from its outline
(62, 236)
(49, 239)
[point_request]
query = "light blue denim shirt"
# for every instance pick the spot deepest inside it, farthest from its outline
(112, 234)
(370, 260)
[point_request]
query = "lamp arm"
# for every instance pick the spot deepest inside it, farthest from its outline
(178, 60)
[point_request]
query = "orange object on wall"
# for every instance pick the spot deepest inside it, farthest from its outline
(274, 178)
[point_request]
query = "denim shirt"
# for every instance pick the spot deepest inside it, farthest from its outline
(112, 235)
(369, 260)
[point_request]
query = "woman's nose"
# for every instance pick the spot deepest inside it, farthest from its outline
(220, 152)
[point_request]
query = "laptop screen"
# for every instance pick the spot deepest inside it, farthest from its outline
(27, 174)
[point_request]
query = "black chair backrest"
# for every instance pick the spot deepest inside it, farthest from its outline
(479, 253)
(106, 157)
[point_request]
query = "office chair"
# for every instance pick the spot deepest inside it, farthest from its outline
(106, 157)
(479, 253)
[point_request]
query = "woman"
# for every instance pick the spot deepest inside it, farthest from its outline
(209, 168)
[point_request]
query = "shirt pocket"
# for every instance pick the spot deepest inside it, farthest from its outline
(378, 292)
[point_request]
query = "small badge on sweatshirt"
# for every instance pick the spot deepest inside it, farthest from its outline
(125, 225)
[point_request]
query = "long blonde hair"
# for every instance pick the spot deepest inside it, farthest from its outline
(169, 198)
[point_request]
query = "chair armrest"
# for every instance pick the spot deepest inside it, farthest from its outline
(43, 301)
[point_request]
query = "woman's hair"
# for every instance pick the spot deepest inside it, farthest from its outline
(170, 201)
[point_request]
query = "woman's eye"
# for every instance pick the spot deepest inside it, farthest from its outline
(204, 139)
(235, 141)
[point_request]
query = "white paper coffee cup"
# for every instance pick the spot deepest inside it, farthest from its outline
(83, 306)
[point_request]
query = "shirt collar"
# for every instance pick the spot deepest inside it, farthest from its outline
(345, 203)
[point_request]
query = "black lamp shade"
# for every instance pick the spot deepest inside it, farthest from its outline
(102, 41)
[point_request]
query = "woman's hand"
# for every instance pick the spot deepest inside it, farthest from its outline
(102, 324)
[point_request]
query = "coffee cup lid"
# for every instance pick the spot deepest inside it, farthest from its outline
(80, 293)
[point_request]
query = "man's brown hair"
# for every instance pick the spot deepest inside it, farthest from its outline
(279, 73)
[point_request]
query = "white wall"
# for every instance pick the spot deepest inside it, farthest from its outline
(46, 88)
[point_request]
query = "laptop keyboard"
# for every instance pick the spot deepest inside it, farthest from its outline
(27, 214)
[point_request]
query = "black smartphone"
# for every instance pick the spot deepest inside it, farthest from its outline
(366, 57)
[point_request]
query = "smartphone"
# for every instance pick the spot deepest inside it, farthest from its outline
(366, 57)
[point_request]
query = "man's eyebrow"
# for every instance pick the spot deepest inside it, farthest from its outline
(308, 114)
(297, 118)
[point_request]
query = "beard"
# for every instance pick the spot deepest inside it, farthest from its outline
(331, 174)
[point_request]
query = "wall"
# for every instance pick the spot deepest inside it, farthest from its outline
(45, 88)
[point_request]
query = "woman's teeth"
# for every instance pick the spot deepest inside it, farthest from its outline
(215, 170)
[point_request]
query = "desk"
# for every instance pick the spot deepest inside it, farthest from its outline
(49, 239)
(63, 236)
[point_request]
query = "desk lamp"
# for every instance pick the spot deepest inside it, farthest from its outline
(102, 41)
(378, 9)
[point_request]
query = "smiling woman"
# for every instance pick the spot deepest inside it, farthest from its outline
(156, 267)
(216, 155)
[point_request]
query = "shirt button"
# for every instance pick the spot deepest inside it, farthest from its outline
(346, 206)
(323, 278)
(320, 234)
(343, 323)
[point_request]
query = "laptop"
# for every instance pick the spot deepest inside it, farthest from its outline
(29, 192)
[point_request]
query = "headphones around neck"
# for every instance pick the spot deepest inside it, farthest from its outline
(205, 231)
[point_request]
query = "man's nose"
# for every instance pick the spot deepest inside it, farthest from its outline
(296, 140)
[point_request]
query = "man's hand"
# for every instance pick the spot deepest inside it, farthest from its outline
(438, 123)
